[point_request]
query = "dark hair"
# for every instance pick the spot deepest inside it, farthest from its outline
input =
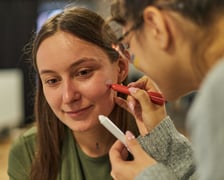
(203, 13)
(199, 11)
(86, 25)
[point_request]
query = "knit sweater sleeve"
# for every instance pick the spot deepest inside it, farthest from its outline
(171, 150)
(158, 171)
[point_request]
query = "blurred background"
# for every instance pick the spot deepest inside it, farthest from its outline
(19, 20)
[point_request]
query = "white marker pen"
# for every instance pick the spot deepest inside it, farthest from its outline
(107, 123)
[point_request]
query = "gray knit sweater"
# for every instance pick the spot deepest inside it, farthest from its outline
(206, 125)
(172, 151)
(205, 122)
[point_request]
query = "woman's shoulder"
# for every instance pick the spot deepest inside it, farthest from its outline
(21, 154)
(212, 87)
(30, 133)
(215, 76)
(26, 141)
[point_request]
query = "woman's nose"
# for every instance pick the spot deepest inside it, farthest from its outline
(70, 92)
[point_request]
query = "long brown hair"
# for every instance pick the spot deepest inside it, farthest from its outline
(88, 26)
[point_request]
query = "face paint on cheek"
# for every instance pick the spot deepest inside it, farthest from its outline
(106, 97)
(101, 89)
(108, 84)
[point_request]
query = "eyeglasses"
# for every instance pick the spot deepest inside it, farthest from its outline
(127, 33)
(123, 48)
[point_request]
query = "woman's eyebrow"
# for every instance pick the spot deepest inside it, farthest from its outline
(46, 71)
(73, 65)
(82, 61)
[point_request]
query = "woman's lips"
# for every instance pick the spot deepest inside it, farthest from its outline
(79, 112)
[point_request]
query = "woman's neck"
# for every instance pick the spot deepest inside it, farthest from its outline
(95, 142)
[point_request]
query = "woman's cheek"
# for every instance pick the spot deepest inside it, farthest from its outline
(51, 98)
(100, 91)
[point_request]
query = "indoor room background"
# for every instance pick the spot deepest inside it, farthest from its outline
(19, 20)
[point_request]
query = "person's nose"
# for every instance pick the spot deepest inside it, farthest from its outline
(70, 92)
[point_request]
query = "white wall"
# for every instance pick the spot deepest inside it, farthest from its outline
(11, 98)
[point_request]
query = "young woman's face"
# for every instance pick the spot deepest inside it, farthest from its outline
(73, 73)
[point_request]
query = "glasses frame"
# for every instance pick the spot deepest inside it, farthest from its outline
(122, 37)
(122, 48)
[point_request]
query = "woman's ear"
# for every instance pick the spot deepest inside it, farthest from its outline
(155, 22)
(123, 68)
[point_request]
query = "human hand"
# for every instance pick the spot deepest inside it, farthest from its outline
(121, 167)
(146, 113)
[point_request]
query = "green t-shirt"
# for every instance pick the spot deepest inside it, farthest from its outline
(94, 168)
(75, 164)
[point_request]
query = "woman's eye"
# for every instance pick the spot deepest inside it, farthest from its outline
(84, 72)
(51, 82)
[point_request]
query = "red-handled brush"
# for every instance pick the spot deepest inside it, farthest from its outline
(155, 97)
